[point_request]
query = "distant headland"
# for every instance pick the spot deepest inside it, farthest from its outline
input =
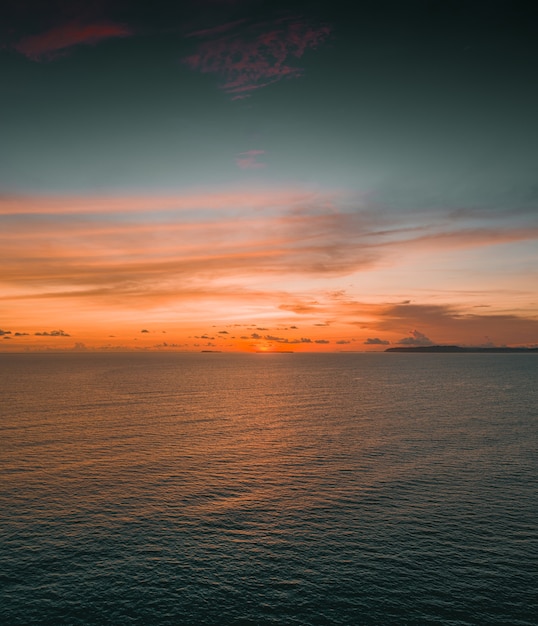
(500, 349)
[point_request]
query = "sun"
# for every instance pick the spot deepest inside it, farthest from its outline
(263, 347)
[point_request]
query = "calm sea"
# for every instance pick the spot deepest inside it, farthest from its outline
(205, 489)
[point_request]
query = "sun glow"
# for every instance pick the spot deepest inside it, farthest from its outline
(261, 271)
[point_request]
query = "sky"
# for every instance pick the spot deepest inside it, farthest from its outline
(268, 176)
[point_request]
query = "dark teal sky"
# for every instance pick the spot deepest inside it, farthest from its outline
(422, 104)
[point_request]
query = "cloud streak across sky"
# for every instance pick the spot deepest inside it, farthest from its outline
(388, 196)
(260, 256)
(60, 39)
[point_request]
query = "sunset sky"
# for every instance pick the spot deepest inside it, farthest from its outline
(266, 176)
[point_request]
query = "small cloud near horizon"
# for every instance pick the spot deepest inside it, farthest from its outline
(286, 340)
(376, 341)
(417, 339)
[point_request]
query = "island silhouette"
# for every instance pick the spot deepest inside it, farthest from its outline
(466, 349)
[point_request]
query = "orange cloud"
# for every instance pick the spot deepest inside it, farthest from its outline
(269, 258)
(452, 324)
(245, 200)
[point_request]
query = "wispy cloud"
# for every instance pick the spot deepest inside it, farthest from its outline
(58, 40)
(249, 160)
(247, 58)
(292, 340)
(218, 30)
(244, 253)
(241, 200)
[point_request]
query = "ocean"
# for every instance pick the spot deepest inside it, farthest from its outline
(169, 489)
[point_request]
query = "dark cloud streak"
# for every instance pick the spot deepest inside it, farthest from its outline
(376, 341)
(416, 339)
(59, 40)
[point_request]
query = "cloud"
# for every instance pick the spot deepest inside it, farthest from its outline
(257, 55)
(248, 160)
(149, 251)
(461, 238)
(144, 330)
(417, 339)
(343, 341)
(289, 198)
(245, 254)
(52, 333)
(79, 347)
(301, 307)
(286, 339)
(322, 341)
(376, 341)
(21, 334)
(217, 30)
(59, 40)
(4, 332)
(457, 325)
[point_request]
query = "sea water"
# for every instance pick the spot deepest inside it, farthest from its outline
(189, 489)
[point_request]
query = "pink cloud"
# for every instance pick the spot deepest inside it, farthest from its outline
(57, 40)
(248, 160)
(251, 59)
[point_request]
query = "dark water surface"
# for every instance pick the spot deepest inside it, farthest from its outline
(177, 489)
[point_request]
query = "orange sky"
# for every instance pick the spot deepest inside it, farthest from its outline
(294, 269)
